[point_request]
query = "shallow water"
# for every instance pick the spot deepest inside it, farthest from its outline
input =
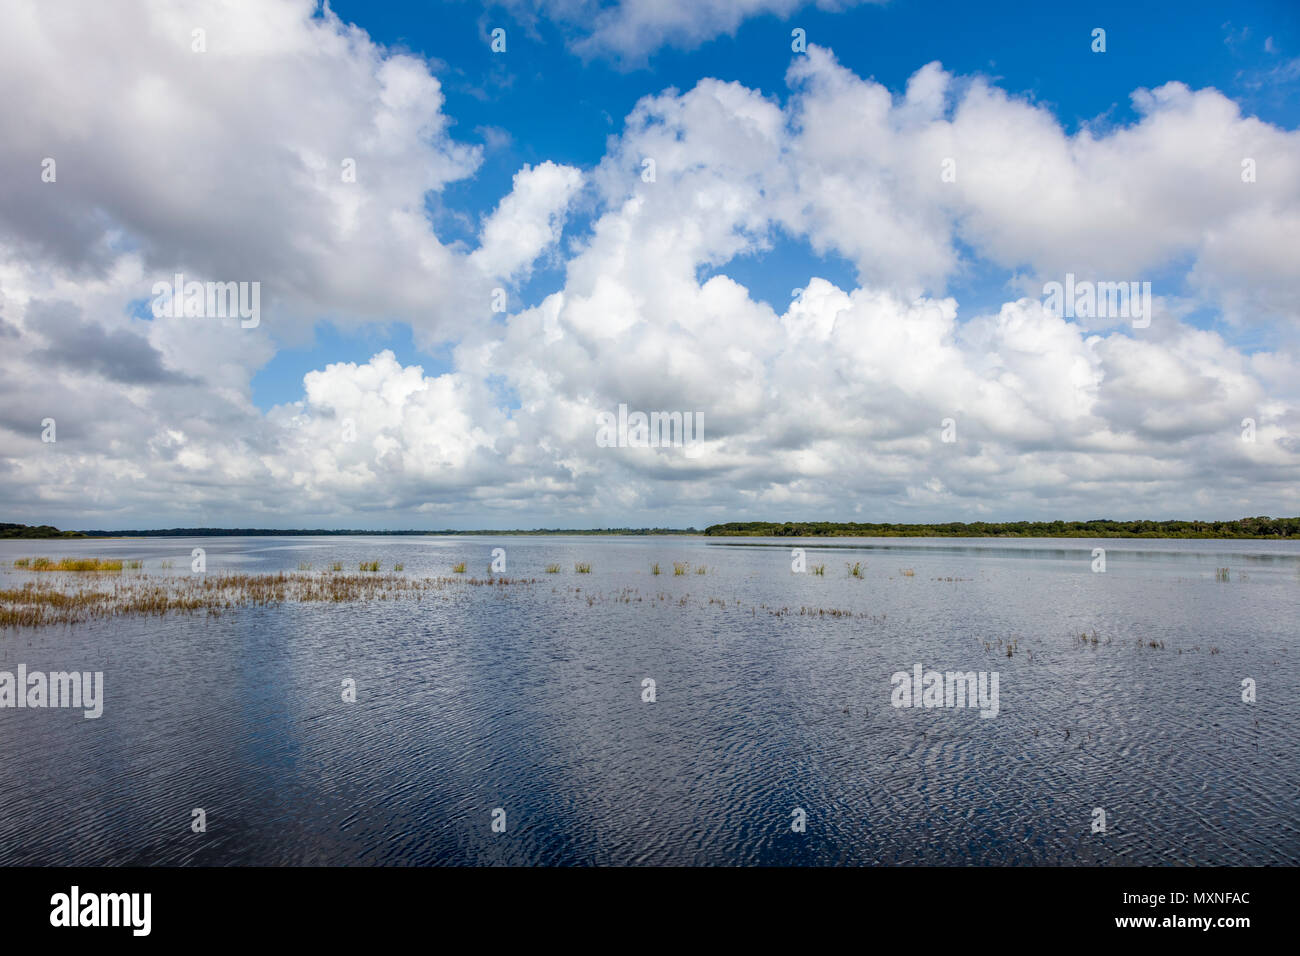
(528, 698)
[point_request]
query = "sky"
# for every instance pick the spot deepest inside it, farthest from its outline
(825, 231)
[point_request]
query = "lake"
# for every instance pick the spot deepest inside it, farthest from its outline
(773, 736)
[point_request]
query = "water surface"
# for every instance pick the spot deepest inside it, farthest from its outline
(528, 698)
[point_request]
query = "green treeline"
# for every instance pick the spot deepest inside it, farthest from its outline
(1263, 527)
(37, 531)
(321, 532)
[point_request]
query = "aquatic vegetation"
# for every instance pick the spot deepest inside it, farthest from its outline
(552, 569)
(336, 566)
(907, 572)
(459, 568)
(680, 567)
(42, 603)
(134, 565)
(654, 568)
(855, 568)
(166, 563)
(701, 570)
(583, 567)
(1221, 574)
(304, 565)
(396, 567)
(819, 569)
(369, 566)
(71, 564)
(22, 562)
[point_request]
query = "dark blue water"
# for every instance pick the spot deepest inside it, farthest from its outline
(528, 698)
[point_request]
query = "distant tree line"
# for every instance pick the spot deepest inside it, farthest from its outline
(1262, 527)
(309, 532)
(35, 531)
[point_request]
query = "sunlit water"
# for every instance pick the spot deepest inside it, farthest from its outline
(529, 698)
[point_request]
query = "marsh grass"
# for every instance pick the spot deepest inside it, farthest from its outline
(552, 569)
(304, 565)
(654, 568)
(459, 568)
(701, 570)
(369, 566)
(397, 567)
(1221, 574)
(855, 569)
(74, 564)
(583, 567)
(681, 567)
(39, 603)
(166, 564)
(336, 566)
(819, 569)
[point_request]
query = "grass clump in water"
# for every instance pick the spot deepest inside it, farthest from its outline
(75, 564)
(459, 568)
(819, 569)
(336, 566)
(654, 568)
(583, 567)
(681, 567)
(369, 565)
(552, 569)
(855, 568)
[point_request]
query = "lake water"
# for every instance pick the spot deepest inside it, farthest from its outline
(528, 698)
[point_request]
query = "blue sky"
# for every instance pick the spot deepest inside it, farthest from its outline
(381, 388)
(543, 102)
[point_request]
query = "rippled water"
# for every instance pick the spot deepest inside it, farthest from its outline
(528, 698)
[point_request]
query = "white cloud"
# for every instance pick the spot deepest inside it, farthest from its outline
(630, 30)
(830, 405)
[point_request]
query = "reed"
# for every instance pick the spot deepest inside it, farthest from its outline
(304, 565)
(552, 569)
(583, 567)
(76, 564)
(1221, 574)
(701, 570)
(855, 568)
(40, 603)
(680, 567)
(819, 569)
(336, 566)
(654, 568)
(397, 567)
(459, 568)
(369, 565)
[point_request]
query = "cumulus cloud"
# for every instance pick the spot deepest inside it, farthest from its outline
(628, 31)
(291, 150)
(829, 405)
